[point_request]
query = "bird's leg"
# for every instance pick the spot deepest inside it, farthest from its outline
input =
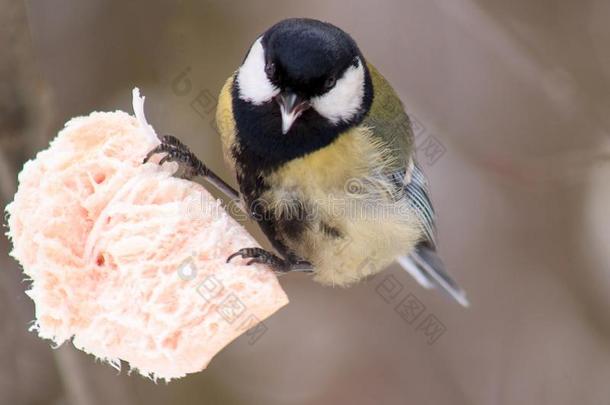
(278, 264)
(176, 151)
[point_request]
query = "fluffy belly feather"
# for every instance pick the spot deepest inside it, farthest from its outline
(353, 221)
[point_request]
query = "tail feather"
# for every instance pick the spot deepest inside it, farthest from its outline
(415, 271)
(431, 270)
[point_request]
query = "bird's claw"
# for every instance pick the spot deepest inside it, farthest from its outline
(176, 151)
(262, 256)
(259, 255)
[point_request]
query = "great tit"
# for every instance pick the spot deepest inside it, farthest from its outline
(323, 153)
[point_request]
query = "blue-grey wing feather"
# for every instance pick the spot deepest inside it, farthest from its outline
(415, 187)
(423, 262)
(390, 123)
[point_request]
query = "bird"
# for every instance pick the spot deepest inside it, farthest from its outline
(324, 155)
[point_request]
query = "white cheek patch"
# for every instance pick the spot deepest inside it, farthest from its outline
(254, 85)
(344, 100)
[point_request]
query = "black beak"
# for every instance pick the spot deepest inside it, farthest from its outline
(291, 107)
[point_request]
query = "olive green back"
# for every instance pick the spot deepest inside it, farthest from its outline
(388, 119)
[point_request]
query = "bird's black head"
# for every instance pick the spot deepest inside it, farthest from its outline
(307, 56)
(302, 84)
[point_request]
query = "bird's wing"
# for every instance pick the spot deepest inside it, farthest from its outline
(423, 262)
(390, 123)
(416, 191)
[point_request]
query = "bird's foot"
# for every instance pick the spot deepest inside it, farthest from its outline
(176, 151)
(279, 265)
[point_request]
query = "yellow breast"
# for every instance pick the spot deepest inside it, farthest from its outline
(345, 186)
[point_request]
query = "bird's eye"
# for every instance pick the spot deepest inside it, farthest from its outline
(330, 82)
(270, 69)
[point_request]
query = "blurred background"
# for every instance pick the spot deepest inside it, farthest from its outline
(510, 101)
